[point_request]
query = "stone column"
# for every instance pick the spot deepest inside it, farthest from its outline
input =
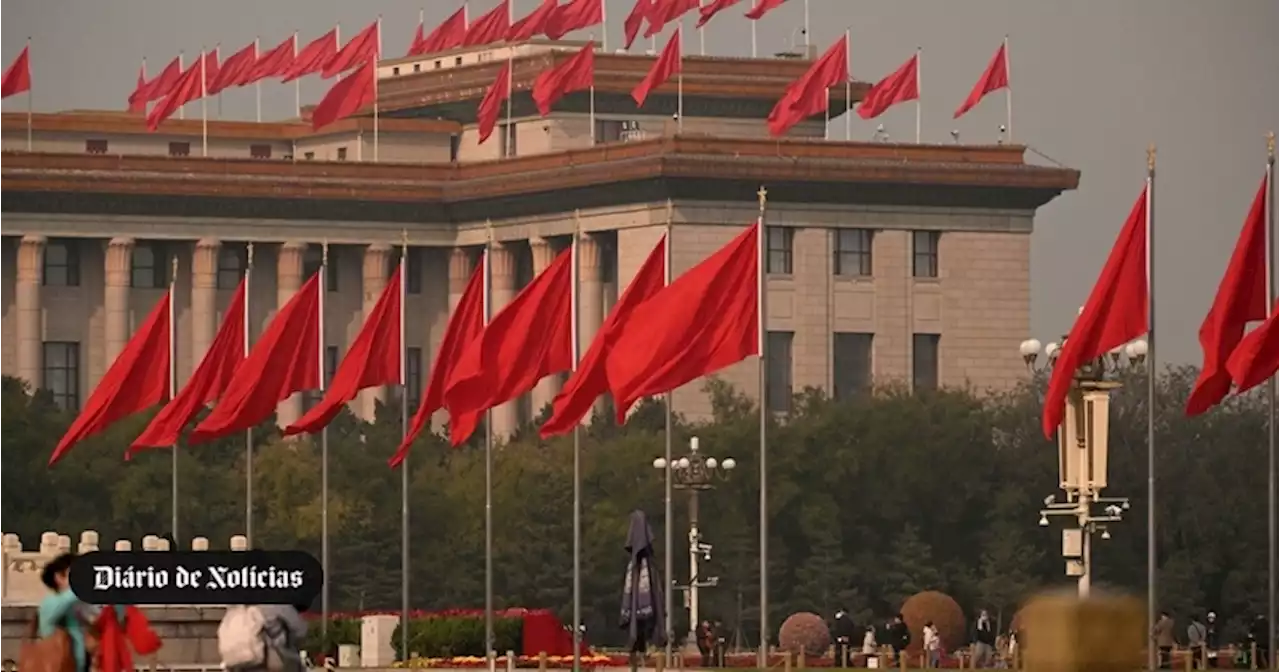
(204, 297)
(546, 390)
(502, 269)
(116, 298)
(376, 257)
(288, 282)
(30, 313)
(461, 266)
(590, 297)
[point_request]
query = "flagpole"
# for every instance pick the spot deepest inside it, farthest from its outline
(762, 334)
(29, 93)
(173, 392)
(1008, 97)
(248, 433)
(404, 432)
(1272, 395)
(848, 86)
(204, 110)
(508, 133)
(574, 329)
(257, 86)
(376, 56)
(679, 82)
(754, 5)
(324, 455)
(668, 519)
(918, 87)
(702, 38)
(1151, 400)
(488, 468)
(297, 84)
(182, 65)
(604, 26)
(806, 30)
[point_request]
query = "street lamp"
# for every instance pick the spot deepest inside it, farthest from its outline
(1082, 450)
(695, 472)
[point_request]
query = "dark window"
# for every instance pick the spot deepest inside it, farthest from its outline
(924, 361)
(853, 252)
(924, 254)
(312, 397)
(259, 151)
(95, 146)
(851, 362)
(179, 149)
(309, 156)
(342, 153)
(507, 141)
(232, 260)
(457, 60)
(438, 65)
(417, 67)
(61, 263)
(778, 357)
(778, 254)
(608, 130)
(455, 144)
(395, 71)
(608, 259)
(413, 376)
(150, 266)
(412, 271)
(311, 263)
(62, 373)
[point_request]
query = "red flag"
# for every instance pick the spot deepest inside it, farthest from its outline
(994, 78)
(206, 384)
(448, 35)
(710, 10)
(526, 341)
(234, 71)
(137, 99)
(590, 380)
(189, 87)
(347, 96)
(17, 77)
(705, 320)
(666, 66)
(362, 48)
(372, 361)
(490, 28)
(465, 326)
(491, 104)
(313, 57)
(575, 15)
(136, 381)
(285, 360)
(1115, 313)
(665, 11)
(533, 24)
(1257, 357)
(901, 86)
(274, 63)
(1241, 298)
(157, 88)
(807, 96)
(575, 74)
(763, 7)
(211, 70)
(635, 20)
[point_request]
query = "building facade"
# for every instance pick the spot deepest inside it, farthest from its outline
(885, 262)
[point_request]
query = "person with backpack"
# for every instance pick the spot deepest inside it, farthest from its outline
(261, 638)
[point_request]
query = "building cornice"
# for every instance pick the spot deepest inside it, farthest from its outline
(125, 123)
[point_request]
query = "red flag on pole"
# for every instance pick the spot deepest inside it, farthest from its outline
(665, 11)
(491, 104)
(1241, 299)
(590, 380)
(575, 15)
(756, 13)
(901, 86)
(575, 74)
(1257, 357)
(211, 69)
(234, 71)
(448, 35)
(346, 97)
(372, 361)
(136, 381)
(313, 57)
(994, 78)
(708, 11)
(664, 68)
(360, 49)
(807, 96)
(1115, 313)
(285, 360)
(465, 326)
(17, 77)
(635, 20)
(157, 88)
(189, 87)
(534, 24)
(490, 28)
(274, 63)
(137, 99)
(528, 340)
(206, 384)
(703, 321)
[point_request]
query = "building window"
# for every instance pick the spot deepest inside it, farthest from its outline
(778, 252)
(95, 146)
(853, 252)
(61, 264)
(457, 60)
(438, 65)
(62, 373)
(609, 130)
(259, 151)
(412, 271)
(179, 149)
(851, 361)
(455, 144)
(342, 153)
(309, 156)
(413, 376)
(395, 72)
(507, 140)
(232, 260)
(417, 67)
(924, 361)
(311, 263)
(924, 254)
(778, 359)
(149, 268)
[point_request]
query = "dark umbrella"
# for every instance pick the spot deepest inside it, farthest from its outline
(642, 602)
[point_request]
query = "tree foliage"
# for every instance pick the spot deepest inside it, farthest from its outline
(871, 499)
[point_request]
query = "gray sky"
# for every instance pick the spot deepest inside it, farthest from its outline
(1094, 82)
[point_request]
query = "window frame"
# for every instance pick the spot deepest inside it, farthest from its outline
(180, 149)
(868, 376)
(238, 252)
(96, 146)
(260, 151)
(861, 260)
(785, 250)
(70, 264)
(928, 257)
(934, 380)
(154, 277)
(778, 400)
(313, 258)
(69, 370)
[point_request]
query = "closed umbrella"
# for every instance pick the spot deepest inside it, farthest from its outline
(642, 602)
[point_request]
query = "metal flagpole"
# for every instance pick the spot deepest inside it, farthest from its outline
(248, 433)
(1151, 401)
(1272, 397)
(204, 109)
(679, 82)
(488, 470)
(324, 456)
(404, 467)
(1008, 99)
(806, 30)
(257, 86)
(604, 26)
(376, 56)
(763, 336)
(848, 86)
(702, 37)
(575, 337)
(918, 92)
(29, 97)
(297, 84)
(754, 4)
(509, 133)
(668, 519)
(173, 392)
(182, 65)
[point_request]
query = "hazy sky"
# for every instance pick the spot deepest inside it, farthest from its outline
(1095, 81)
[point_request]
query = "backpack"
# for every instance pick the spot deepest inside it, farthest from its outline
(240, 638)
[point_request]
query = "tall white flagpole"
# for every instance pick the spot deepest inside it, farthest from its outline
(204, 109)
(404, 431)
(297, 84)
(324, 451)
(248, 433)
(591, 108)
(490, 654)
(257, 86)
(182, 65)
(575, 337)
(1151, 398)
(754, 4)
(668, 520)
(848, 86)
(1008, 93)
(680, 79)
(919, 92)
(807, 41)
(31, 88)
(702, 38)
(173, 392)
(377, 55)
(1272, 395)
(604, 25)
(509, 133)
(763, 335)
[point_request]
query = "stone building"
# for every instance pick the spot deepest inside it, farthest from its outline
(885, 261)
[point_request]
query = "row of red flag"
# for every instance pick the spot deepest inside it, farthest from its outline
(1117, 312)
(701, 322)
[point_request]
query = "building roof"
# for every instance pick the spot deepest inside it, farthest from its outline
(115, 123)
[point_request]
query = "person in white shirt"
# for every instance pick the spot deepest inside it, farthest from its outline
(932, 645)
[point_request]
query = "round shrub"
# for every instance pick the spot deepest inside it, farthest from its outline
(805, 631)
(946, 615)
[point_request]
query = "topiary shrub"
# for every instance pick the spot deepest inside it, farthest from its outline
(804, 631)
(946, 615)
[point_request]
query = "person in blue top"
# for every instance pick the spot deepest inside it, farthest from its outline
(61, 609)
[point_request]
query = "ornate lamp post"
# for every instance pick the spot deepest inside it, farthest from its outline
(695, 473)
(1082, 452)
